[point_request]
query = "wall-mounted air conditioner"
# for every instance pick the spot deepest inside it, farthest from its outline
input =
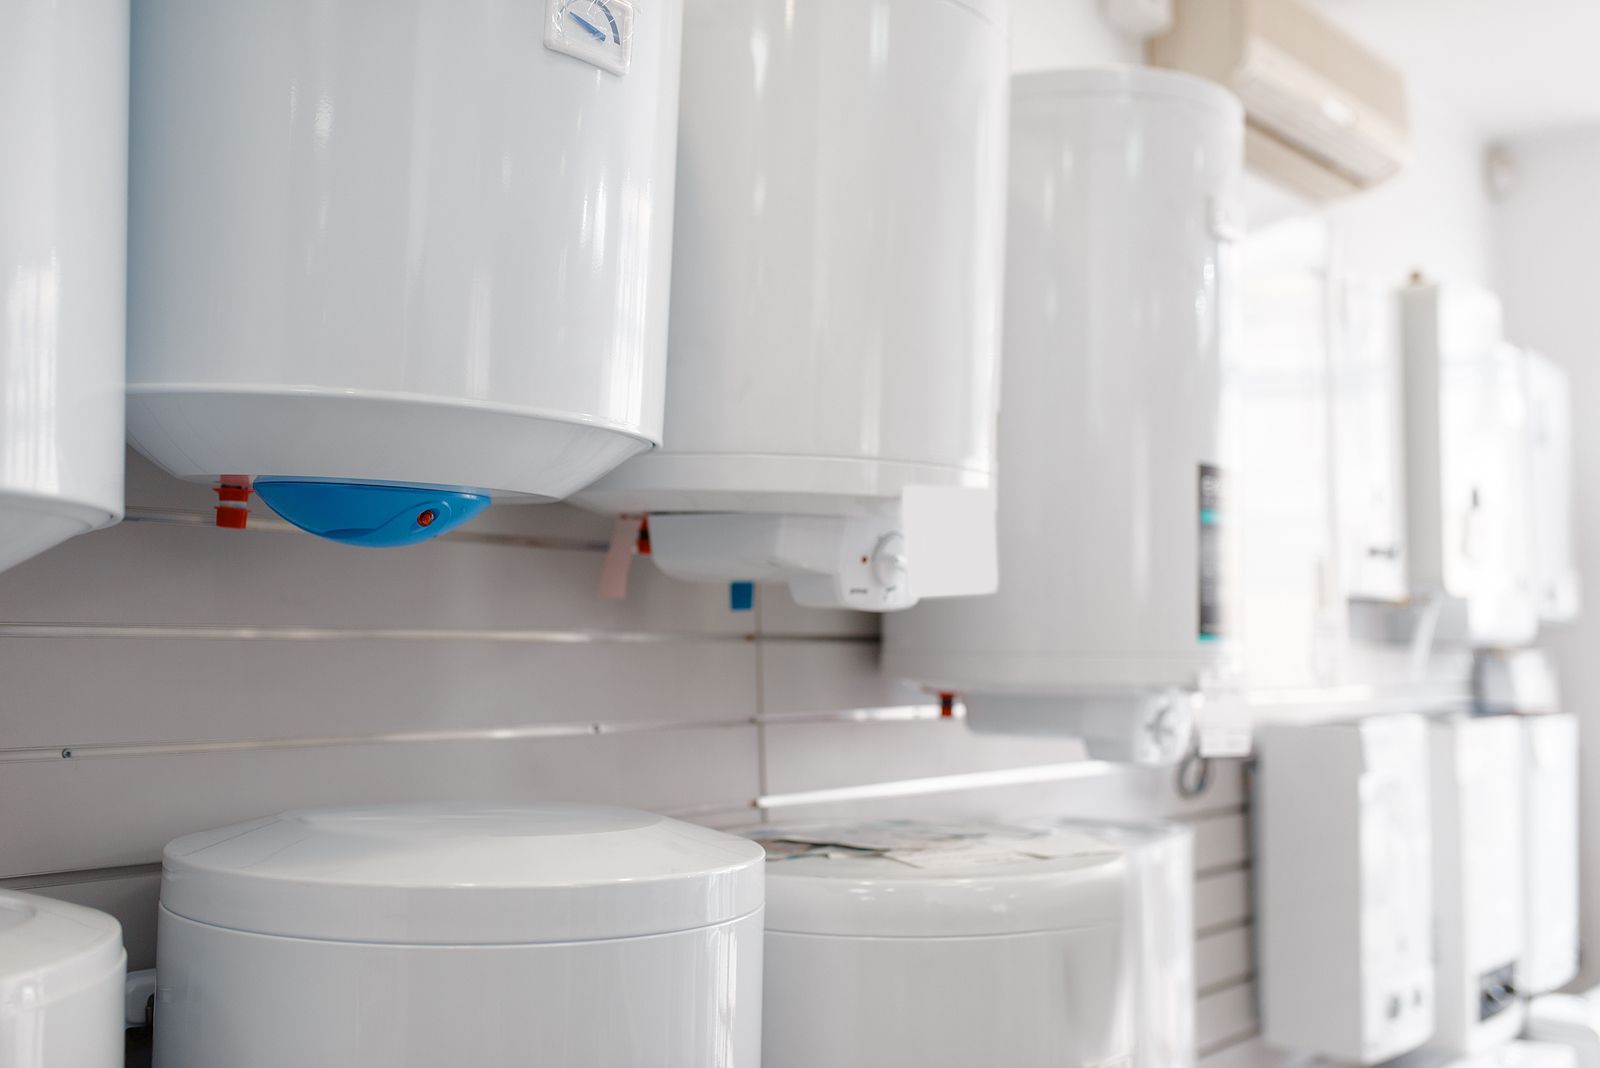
(1324, 116)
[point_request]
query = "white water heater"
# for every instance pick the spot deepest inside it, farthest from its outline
(392, 260)
(63, 226)
(62, 968)
(902, 943)
(835, 302)
(1479, 882)
(1343, 876)
(1550, 852)
(367, 936)
(1113, 498)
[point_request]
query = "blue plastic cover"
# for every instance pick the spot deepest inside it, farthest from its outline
(380, 516)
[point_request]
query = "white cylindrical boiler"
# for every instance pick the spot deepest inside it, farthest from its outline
(432, 934)
(1113, 498)
(390, 260)
(63, 227)
(62, 970)
(911, 944)
(835, 301)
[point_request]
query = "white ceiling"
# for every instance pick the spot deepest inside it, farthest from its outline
(1512, 66)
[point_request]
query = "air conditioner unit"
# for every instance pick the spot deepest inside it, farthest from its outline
(1324, 116)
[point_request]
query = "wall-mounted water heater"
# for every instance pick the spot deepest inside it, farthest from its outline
(390, 261)
(1113, 494)
(63, 221)
(1550, 852)
(835, 302)
(1469, 511)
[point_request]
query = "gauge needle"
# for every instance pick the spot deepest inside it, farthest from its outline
(586, 24)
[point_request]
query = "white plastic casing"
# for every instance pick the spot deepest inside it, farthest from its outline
(1158, 936)
(61, 978)
(1550, 842)
(836, 290)
(1000, 948)
(1469, 523)
(1479, 819)
(398, 242)
(1344, 906)
(1118, 298)
(460, 934)
(63, 226)
(1550, 486)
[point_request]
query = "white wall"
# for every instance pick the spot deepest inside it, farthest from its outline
(1547, 234)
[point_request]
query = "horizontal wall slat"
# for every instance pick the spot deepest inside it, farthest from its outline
(1221, 841)
(1223, 958)
(1225, 1017)
(111, 690)
(1222, 899)
(100, 813)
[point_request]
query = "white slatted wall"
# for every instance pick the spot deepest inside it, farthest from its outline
(166, 676)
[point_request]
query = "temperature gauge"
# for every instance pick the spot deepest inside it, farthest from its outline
(595, 31)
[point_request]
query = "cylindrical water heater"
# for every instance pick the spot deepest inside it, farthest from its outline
(1113, 494)
(835, 301)
(63, 226)
(434, 934)
(390, 260)
(912, 944)
(62, 970)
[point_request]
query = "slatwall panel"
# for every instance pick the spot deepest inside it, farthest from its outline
(165, 676)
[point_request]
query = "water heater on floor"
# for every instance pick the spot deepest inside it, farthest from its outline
(367, 936)
(63, 226)
(61, 984)
(390, 261)
(835, 302)
(1113, 496)
(902, 943)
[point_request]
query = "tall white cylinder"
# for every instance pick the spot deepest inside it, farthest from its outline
(424, 242)
(1112, 493)
(63, 225)
(836, 270)
(62, 970)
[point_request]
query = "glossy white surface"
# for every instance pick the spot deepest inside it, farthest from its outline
(1118, 306)
(63, 225)
(949, 955)
(397, 242)
(836, 271)
(462, 873)
(61, 978)
(836, 280)
(426, 934)
(253, 1001)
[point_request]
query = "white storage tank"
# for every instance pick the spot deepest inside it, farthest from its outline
(63, 226)
(835, 302)
(434, 934)
(912, 944)
(390, 260)
(62, 968)
(1113, 496)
